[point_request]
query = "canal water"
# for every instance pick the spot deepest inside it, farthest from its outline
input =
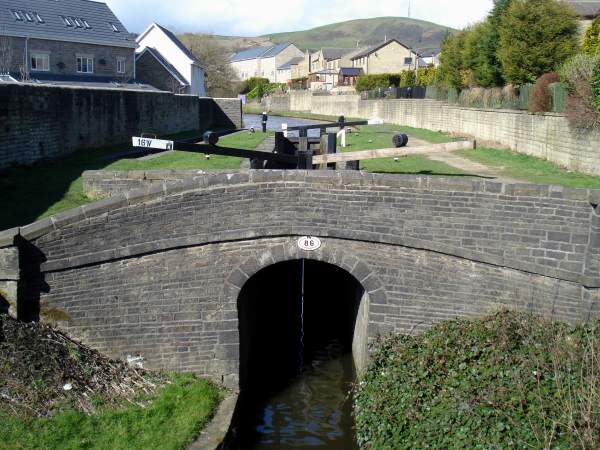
(274, 123)
(297, 372)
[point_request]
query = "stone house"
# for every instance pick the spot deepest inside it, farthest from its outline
(264, 61)
(64, 42)
(332, 58)
(284, 72)
(390, 56)
(164, 62)
(302, 68)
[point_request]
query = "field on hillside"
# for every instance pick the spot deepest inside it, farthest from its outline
(412, 32)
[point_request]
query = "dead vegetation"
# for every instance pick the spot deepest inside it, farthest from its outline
(43, 371)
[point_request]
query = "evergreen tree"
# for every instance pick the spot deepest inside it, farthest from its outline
(452, 68)
(536, 37)
(490, 69)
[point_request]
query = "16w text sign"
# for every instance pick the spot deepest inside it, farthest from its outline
(152, 143)
(309, 243)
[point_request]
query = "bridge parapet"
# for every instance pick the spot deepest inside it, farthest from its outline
(118, 271)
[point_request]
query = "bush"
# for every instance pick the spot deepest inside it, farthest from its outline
(576, 74)
(427, 76)
(591, 41)
(493, 98)
(407, 78)
(382, 80)
(252, 83)
(506, 381)
(595, 85)
(541, 97)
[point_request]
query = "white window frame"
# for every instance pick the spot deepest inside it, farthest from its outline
(43, 57)
(120, 64)
(89, 60)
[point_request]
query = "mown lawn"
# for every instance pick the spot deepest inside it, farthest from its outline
(530, 168)
(169, 420)
(31, 193)
(369, 137)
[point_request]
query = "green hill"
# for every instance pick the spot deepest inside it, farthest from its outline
(412, 32)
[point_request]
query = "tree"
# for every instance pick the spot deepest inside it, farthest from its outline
(591, 41)
(452, 69)
(490, 69)
(475, 56)
(220, 76)
(536, 37)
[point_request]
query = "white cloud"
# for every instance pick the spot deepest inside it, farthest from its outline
(244, 18)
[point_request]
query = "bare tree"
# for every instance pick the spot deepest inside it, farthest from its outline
(5, 53)
(220, 76)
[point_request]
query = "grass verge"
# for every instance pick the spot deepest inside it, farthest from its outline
(530, 168)
(510, 380)
(35, 192)
(170, 419)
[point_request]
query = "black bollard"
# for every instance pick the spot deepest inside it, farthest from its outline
(265, 117)
(342, 122)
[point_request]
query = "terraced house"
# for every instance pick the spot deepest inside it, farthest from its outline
(64, 42)
(266, 62)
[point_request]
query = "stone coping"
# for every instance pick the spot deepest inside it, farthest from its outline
(207, 180)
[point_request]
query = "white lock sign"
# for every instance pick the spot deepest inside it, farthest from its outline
(309, 243)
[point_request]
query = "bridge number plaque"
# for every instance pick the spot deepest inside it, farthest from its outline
(309, 243)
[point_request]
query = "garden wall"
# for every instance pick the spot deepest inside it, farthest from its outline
(546, 136)
(44, 122)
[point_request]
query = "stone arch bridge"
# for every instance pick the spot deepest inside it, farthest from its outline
(157, 271)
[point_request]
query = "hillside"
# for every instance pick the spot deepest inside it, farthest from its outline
(412, 32)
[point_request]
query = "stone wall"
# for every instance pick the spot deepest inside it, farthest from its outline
(48, 122)
(157, 271)
(546, 136)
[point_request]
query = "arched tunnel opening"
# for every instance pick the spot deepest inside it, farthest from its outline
(299, 323)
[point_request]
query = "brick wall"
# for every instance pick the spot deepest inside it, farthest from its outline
(546, 136)
(48, 122)
(63, 56)
(157, 271)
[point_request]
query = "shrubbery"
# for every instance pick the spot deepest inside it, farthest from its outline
(492, 98)
(383, 80)
(252, 83)
(541, 97)
(576, 74)
(257, 88)
(507, 381)
(407, 78)
(595, 85)
(591, 42)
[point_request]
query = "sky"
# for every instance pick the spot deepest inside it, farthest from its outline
(258, 17)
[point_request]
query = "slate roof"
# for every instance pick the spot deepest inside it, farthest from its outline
(165, 63)
(179, 44)
(350, 71)
(90, 81)
(367, 51)
(330, 53)
(588, 9)
(98, 16)
(258, 52)
(288, 65)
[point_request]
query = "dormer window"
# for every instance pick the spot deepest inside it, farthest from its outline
(114, 27)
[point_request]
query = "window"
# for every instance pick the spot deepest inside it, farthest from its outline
(67, 21)
(78, 23)
(16, 15)
(408, 61)
(86, 24)
(28, 16)
(38, 18)
(114, 27)
(85, 64)
(120, 65)
(40, 62)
